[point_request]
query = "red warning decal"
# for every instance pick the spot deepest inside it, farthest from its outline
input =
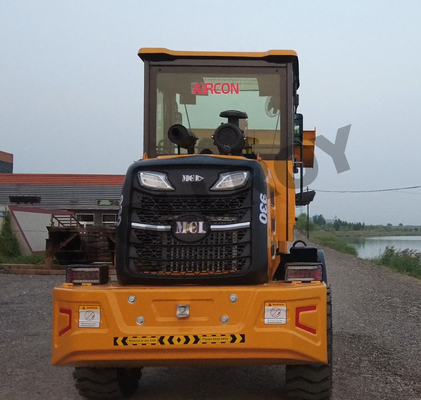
(298, 324)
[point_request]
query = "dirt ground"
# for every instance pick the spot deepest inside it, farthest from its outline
(377, 344)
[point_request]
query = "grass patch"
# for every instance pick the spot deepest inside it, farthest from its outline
(37, 259)
(405, 261)
(334, 242)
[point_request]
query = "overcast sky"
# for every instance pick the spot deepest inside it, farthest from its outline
(71, 85)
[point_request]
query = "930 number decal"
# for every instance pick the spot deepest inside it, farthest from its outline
(263, 216)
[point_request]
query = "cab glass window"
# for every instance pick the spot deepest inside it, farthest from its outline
(194, 97)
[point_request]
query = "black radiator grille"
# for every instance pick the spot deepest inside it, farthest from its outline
(225, 238)
(158, 253)
(217, 210)
(199, 267)
(189, 253)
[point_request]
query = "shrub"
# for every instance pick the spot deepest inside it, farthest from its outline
(9, 246)
(302, 223)
(406, 261)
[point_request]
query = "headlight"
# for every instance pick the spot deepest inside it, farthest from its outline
(231, 180)
(154, 180)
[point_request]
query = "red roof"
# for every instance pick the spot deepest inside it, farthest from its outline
(6, 157)
(61, 179)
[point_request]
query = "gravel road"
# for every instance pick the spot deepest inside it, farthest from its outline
(377, 344)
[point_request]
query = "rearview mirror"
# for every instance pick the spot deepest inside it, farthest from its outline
(298, 128)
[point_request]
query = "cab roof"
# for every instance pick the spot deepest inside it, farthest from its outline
(275, 56)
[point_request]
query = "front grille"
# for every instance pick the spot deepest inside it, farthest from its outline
(157, 254)
(217, 210)
(188, 254)
(226, 238)
(182, 268)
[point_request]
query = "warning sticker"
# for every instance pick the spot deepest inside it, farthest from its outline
(174, 340)
(89, 316)
(136, 341)
(275, 313)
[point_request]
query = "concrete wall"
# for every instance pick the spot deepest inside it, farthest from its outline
(30, 227)
(34, 227)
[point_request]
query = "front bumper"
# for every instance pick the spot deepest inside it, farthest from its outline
(274, 323)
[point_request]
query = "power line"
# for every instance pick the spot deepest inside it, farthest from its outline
(369, 191)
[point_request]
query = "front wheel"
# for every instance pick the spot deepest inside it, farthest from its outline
(106, 383)
(313, 381)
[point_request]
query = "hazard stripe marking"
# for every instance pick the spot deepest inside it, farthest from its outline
(179, 340)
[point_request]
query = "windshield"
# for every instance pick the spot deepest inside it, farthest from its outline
(196, 97)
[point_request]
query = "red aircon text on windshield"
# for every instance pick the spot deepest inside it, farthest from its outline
(215, 88)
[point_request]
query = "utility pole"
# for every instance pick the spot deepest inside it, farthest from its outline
(308, 219)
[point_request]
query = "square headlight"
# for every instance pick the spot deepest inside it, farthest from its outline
(154, 180)
(231, 180)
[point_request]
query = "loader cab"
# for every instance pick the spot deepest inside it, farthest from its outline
(213, 200)
(200, 92)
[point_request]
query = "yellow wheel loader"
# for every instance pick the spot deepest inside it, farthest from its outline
(205, 275)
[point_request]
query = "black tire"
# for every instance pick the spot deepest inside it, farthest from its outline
(106, 383)
(313, 381)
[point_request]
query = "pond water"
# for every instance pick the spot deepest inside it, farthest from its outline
(373, 246)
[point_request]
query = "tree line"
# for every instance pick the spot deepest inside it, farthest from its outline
(318, 221)
(338, 224)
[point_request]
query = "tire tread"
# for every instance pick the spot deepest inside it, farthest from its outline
(106, 383)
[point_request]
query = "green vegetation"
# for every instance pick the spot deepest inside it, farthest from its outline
(37, 259)
(341, 234)
(360, 229)
(9, 247)
(350, 232)
(404, 261)
(323, 234)
(319, 220)
(331, 240)
(301, 224)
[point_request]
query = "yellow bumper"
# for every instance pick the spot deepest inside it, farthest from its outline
(275, 323)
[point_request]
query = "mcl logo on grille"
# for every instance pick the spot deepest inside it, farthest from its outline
(190, 228)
